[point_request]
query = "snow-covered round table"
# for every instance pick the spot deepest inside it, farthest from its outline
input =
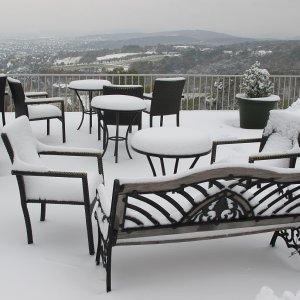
(116, 104)
(171, 142)
(90, 86)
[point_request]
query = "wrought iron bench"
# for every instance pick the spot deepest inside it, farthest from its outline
(215, 202)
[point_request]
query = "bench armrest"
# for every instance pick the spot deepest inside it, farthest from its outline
(268, 156)
(229, 142)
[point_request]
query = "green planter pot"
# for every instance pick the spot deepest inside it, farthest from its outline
(254, 112)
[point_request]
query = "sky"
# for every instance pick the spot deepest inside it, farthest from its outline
(247, 18)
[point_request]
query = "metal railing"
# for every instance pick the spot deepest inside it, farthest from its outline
(210, 92)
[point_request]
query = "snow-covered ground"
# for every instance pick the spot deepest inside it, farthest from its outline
(58, 266)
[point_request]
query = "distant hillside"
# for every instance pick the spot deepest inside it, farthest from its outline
(185, 37)
(279, 57)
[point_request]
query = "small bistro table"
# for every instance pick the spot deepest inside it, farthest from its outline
(116, 104)
(171, 142)
(90, 86)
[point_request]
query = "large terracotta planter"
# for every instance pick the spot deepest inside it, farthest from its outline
(254, 112)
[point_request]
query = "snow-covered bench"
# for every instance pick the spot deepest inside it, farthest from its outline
(206, 203)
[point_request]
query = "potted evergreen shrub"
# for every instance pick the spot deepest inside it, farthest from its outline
(257, 100)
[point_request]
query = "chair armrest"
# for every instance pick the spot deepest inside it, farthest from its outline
(50, 173)
(61, 150)
(36, 94)
(228, 142)
(29, 101)
(148, 96)
(268, 156)
(44, 149)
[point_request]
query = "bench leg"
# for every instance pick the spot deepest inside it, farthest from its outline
(274, 238)
(291, 238)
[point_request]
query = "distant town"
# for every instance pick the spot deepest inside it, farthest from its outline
(181, 52)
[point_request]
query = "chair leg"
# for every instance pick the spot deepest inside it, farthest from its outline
(161, 121)
(48, 126)
(43, 212)
(108, 269)
(27, 222)
(99, 127)
(89, 228)
(104, 137)
(151, 121)
(3, 118)
(177, 119)
(63, 128)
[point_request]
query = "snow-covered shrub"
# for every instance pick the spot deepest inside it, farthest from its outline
(256, 82)
(268, 294)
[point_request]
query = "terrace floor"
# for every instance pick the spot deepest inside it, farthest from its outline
(58, 266)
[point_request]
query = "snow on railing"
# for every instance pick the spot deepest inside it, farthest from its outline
(208, 92)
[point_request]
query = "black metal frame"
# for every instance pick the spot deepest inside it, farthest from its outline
(88, 206)
(161, 158)
(230, 185)
(165, 99)
(21, 108)
(2, 97)
(117, 137)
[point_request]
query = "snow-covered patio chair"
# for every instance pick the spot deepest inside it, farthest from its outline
(165, 99)
(279, 144)
(40, 183)
(38, 108)
(2, 97)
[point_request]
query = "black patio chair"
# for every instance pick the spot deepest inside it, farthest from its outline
(125, 118)
(41, 182)
(165, 99)
(38, 108)
(2, 97)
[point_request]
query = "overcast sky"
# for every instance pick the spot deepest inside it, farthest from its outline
(250, 18)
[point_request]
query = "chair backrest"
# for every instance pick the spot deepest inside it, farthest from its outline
(2, 91)
(128, 90)
(18, 97)
(125, 118)
(21, 145)
(166, 96)
(282, 132)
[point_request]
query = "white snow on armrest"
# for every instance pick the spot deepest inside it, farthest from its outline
(43, 147)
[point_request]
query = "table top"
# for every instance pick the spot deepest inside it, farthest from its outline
(118, 103)
(88, 84)
(171, 142)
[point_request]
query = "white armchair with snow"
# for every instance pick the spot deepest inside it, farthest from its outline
(40, 183)
(279, 144)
